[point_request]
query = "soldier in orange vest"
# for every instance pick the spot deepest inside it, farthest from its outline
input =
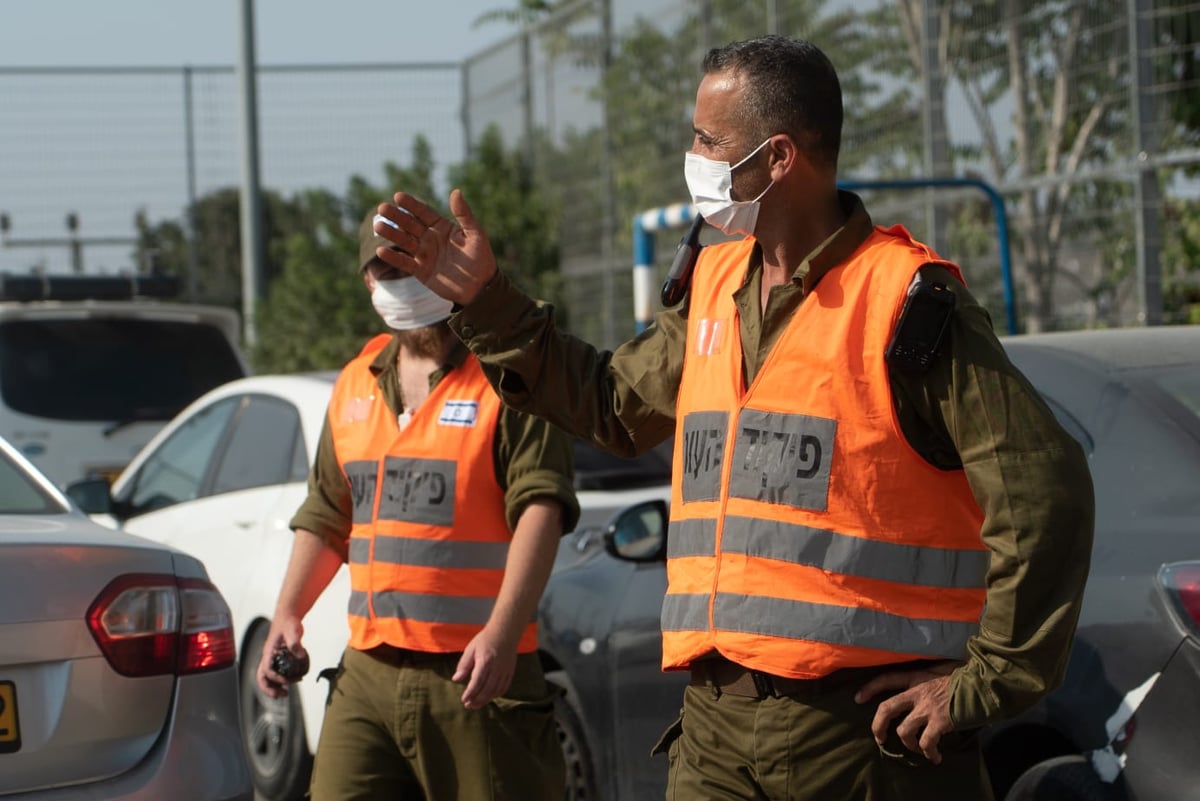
(879, 533)
(448, 508)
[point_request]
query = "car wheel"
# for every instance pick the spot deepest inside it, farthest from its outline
(1067, 778)
(581, 784)
(273, 731)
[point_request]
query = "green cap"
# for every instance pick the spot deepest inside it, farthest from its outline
(369, 241)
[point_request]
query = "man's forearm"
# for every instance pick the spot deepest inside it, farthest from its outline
(530, 559)
(311, 567)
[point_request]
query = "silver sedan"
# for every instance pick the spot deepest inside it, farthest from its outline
(117, 660)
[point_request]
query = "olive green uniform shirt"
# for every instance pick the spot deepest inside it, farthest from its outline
(972, 410)
(533, 459)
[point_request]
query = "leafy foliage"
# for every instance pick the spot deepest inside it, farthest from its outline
(218, 245)
(520, 222)
(316, 313)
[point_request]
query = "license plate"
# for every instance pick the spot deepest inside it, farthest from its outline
(10, 732)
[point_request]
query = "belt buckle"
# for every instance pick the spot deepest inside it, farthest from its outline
(763, 684)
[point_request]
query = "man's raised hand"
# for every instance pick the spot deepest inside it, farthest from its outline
(454, 259)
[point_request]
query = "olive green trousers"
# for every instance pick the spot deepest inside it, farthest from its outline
(397, 730)
(807, 747)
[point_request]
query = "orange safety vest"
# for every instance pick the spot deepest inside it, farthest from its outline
(429, 540)
(806, 535)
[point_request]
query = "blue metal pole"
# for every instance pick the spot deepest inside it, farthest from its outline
(645, 224)
(643, 275)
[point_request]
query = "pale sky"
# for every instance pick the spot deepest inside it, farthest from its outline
(204, 32)
(106, 175)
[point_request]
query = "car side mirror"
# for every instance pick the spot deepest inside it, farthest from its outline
(638, 533)
(92, 495)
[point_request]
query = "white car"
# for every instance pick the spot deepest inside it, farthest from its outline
(90, 370)
(222, 481)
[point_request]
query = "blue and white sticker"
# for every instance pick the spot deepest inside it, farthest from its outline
(459, 413)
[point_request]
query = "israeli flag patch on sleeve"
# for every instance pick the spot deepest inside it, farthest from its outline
(459, 413)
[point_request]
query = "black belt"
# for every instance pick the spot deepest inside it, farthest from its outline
(393, 655)
(720, 674)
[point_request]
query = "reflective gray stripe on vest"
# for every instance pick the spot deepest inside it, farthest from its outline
(691, 538)
(842, 625)
(418, 490)
(433, 608)
(828, 550)
(783, 458)
(358, 604)
(703, 452)
(362, 477)
(836, 625)
(430, 553)
(685, 612)
(855, 556)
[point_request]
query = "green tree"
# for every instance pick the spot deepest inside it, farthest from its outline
(521, 222)
(1177, 35)
(218, 244)
(1181, 261)
(317, 313)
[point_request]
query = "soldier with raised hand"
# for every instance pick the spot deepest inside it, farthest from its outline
(879, 533)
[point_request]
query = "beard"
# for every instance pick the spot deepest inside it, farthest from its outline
(427, 341)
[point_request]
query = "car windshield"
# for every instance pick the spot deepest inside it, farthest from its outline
(113, 369)
(20, 494)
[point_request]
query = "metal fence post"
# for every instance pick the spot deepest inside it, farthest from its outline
(189, 133)
(1147, 199)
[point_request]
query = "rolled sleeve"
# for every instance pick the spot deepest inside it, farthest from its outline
(326, 511)
(535, 460)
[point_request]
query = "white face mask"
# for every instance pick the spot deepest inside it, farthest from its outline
(406, 303)
(710, 183)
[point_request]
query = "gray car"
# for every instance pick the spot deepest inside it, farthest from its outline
(117, 676)
(1123, 725)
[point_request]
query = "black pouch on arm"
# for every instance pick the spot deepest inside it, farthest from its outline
(922, 326)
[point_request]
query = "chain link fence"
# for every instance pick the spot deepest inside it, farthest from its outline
(84, 152)
(1083, 114)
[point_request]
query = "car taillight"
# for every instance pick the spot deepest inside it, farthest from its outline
(151, 625)
(1181, 580)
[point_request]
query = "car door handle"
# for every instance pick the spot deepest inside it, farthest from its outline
(244, 523)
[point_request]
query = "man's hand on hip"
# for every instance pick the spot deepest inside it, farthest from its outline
(922, 703)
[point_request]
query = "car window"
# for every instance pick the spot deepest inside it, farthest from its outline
(20, 495)
(300, 460)
(44, 362)
(175, 471)
(260, 450)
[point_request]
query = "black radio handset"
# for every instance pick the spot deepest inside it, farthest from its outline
(679, 277)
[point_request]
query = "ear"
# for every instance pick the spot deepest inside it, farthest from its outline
(783, 155)
(368, 280)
